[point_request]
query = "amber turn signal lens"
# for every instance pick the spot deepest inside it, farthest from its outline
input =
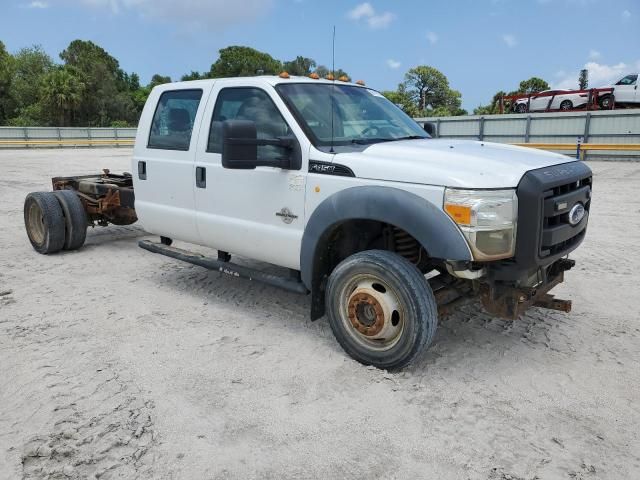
(284, 75)
(461, 214)
(330, 77)
(315, 76)
(343, 78)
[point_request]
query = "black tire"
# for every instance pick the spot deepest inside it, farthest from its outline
(75, 219)
(357, 314)
(566, 105)
(44, 221)
(606, 102)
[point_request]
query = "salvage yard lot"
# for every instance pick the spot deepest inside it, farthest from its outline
(118, 363)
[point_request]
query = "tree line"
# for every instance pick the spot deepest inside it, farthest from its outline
(88, 87)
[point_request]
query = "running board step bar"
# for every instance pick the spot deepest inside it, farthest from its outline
(287, 283)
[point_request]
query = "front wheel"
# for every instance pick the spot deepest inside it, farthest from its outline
(381, 309)
(606, 102)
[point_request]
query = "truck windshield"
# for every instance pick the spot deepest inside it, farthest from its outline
(360, 115)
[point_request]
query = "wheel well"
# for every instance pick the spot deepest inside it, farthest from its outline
(357, 235)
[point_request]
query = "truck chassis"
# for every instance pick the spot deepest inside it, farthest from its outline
(108, 198)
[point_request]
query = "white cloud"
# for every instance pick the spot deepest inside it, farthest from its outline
(38, 4)
(368, 14)
(364, 10)
(207, 14)
(600, 74)
(626, 14)
(510, 40)
(594, 54)
(432, 37)
(394, 64)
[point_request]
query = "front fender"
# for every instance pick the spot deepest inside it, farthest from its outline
(428, 224)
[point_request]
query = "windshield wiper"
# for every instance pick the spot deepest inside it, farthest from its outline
(368, 141)
(409, 137)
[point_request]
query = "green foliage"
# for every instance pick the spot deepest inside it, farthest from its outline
(425, 92)
(493, 107)
(158, 79)
(428, 88)
(533, 85)
(403, 100)
(237, 61)
(6, 77)
(301, 66)
(30, 66)
(193, 76)
(90, 89)
(119, 124)
(62, 91)
(583, 79)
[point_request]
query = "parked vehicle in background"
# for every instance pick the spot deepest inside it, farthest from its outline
(625, 92)
(551, 100)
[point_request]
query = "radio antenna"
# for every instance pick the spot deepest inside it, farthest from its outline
(333, 75)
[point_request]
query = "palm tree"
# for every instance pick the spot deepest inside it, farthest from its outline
(62, 92)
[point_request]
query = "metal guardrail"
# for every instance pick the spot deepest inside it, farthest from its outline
(601, 133)
(604, 133)
(24, 137)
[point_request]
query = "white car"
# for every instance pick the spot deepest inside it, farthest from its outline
(551, 100)
(625, 92)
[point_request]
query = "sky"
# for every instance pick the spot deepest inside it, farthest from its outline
(482, 46)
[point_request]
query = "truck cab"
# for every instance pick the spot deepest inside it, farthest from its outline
(385, 227)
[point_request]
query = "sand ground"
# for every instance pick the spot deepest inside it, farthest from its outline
(117, 363)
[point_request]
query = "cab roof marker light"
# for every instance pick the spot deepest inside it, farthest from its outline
(284, 75)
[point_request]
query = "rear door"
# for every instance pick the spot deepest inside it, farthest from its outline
(163, 161)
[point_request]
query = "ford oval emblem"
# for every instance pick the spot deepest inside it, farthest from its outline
(576, 214)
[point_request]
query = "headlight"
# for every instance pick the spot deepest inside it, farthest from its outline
(487, 219)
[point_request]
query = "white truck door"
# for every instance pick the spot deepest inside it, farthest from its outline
(163, 162)
(257, 213)
(626, 89)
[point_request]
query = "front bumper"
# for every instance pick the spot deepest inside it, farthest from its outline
(544, 239)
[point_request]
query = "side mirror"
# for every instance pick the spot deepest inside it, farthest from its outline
(239, 144)
(240, 148)
(430, 128)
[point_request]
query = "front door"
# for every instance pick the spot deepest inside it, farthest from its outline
(626, 89)
(257, 213)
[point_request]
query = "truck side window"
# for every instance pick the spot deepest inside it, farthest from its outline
(628, 80)
(173, 120)
(248, 104)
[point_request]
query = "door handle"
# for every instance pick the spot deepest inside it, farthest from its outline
(142, 170)
(201, 177)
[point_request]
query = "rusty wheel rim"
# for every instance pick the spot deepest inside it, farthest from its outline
(371, 312)
(35, 220)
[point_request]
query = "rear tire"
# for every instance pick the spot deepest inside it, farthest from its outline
(75, 219)
(521, 108)
(566, 105)
(381, 309)
(44, 221)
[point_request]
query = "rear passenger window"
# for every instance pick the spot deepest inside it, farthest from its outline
(247, 103)
(173, 121)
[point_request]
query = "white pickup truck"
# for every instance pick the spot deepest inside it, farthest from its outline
(383, 226)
